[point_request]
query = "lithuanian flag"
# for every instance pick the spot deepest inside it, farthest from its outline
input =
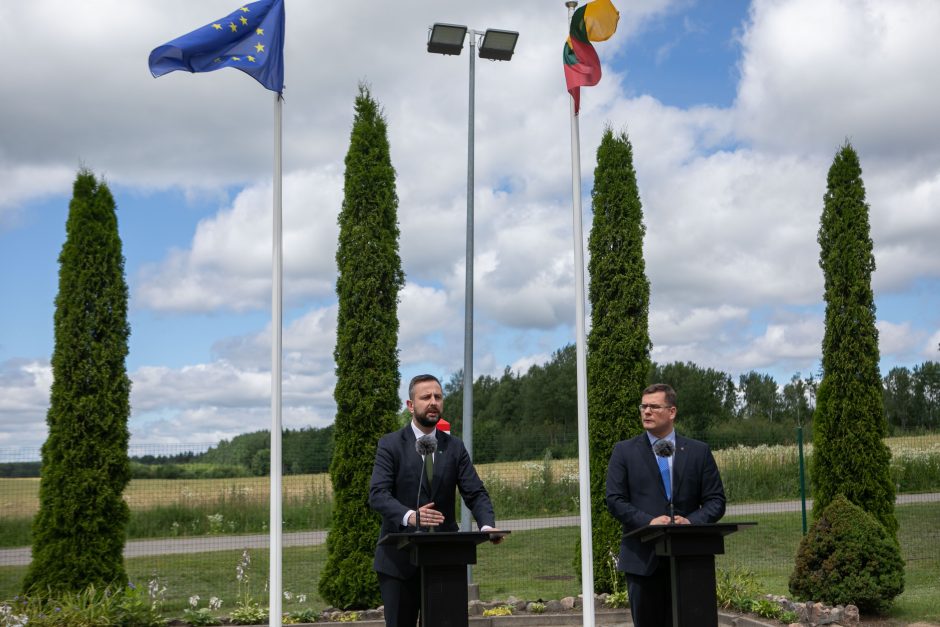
(594, 21)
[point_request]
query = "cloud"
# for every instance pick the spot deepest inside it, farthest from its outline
(817, 71)
(24, 400)
(228, 265)
(731, 196)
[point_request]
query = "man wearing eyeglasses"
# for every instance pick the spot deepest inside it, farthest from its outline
(679, 485)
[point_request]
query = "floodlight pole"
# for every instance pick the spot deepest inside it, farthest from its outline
(467, 431)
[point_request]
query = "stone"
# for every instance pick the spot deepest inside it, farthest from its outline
(567, 603)
(851, 615)
(553, 606)
(475, 608)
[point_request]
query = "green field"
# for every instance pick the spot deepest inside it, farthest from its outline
(538, 564)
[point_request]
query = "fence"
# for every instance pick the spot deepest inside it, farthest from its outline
(190, 534)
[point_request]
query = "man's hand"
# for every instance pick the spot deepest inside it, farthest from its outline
(665, 520)
(495, 536)
(430, 517)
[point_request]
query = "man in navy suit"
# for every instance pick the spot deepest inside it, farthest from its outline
(394, 494)
(645, 489)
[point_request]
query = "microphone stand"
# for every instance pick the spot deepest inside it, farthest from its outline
(418, 502)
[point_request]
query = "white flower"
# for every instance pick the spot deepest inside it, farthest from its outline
(215, 603)
(194, 601)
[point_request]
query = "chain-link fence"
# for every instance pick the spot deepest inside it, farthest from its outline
(193, 525)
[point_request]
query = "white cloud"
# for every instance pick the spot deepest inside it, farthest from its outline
(931, 348)
(24, 400)
(731, 196)
(817, 71)
(228, 265)
(900, 340)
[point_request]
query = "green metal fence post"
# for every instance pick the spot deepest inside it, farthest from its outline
(799, 440)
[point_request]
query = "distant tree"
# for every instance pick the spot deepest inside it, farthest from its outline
(550, 403)
(759, 398)
(498, 410)
(795, 400)
(367, 378)
(850, 456)
(618, 345)
(261, 463)
(899, 397)
(78, 534)
(926, 379)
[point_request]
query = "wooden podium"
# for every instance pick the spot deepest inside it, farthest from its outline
(443, 557)
(691, 550)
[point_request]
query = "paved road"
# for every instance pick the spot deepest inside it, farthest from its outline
(202, 544)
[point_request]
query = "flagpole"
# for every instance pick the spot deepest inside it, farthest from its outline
(584, 450)
(274, 589)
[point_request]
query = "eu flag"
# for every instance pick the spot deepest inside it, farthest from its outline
(250, 39)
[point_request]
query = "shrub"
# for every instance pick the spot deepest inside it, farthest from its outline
(735, 588)
(848, 557)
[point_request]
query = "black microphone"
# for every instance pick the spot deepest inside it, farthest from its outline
(425, 445)
(665, 448)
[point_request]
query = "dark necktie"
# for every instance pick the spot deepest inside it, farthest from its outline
(429, 468)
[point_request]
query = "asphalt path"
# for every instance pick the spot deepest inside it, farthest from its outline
(203, 544)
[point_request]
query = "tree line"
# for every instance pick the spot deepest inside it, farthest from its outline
(539, 407)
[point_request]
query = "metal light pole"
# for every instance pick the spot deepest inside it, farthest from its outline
(497, 45)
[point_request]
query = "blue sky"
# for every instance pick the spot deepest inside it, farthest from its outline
(735, 110)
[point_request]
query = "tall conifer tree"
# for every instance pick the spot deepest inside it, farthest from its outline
(618, 361)
(849, 453)
(78, 534)
(367, 378)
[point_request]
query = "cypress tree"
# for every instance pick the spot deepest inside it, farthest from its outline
(78, 534)
(849, 454)
(367, 378)
(618, 361)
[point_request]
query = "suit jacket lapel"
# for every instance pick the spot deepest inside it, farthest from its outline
(438, 460)
(678, 465)
(412, 464)
(652, 464)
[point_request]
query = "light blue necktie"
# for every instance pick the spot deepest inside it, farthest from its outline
(664, 471)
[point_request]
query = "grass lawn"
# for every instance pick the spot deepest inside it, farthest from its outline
(535, 564)
(770, 548)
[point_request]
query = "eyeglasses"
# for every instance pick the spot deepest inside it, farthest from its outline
(653, 406)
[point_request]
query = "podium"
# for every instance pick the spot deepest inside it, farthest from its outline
(443, 557)
(691, 550)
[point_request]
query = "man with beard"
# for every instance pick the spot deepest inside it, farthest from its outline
(394, 493)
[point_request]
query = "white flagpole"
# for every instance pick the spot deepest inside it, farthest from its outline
(584, 450)
(275, 584)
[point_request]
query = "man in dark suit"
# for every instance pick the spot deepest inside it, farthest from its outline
(394, 494)
(645, 489)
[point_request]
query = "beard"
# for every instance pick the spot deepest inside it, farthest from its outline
(428, 421)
